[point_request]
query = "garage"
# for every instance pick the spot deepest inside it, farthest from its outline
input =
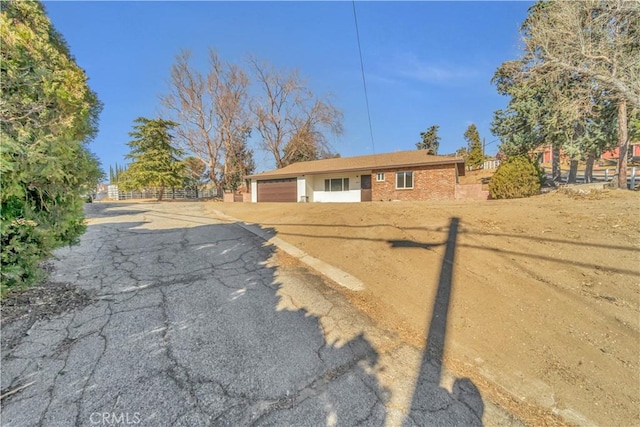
(277, 190)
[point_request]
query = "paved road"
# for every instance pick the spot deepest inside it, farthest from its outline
(193, 324)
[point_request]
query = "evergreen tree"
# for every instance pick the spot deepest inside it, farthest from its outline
(242, 164)
(578, 57)
(462, 152)
(154, 160)
(48, 114)
(430, 140)
(474, 158)
(239, 159)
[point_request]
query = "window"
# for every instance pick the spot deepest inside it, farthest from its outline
(380, 176)
(336, 184)
(404, 179)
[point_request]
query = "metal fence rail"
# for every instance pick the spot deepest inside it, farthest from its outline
(153, 193)
(633, 178)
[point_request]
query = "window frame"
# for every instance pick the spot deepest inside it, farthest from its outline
(344, 182)
(380, 177)
(404, 175)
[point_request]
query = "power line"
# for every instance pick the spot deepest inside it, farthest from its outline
(364, 81)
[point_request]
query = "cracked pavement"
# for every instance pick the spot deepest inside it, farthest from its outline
(194, 322)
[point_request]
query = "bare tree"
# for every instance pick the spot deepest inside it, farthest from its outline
(211, 111)
(288, 114)
(596, 41)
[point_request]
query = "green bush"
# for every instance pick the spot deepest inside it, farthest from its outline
(516, 177)
(23, 246)
(48, 115)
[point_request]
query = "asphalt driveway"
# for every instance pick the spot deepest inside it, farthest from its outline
(192, 322)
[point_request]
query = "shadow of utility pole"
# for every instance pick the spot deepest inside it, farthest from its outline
(432, 404)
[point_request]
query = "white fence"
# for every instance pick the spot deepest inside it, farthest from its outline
(152, 193)
(491, 164)
(633, 178)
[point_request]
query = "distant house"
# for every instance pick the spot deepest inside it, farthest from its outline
(545, 153)
(634, 152)
(404, 175)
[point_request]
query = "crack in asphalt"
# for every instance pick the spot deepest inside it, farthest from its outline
(65, 346)
(105, 340)
(167, 315)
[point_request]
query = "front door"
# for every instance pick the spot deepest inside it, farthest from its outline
(365, 188)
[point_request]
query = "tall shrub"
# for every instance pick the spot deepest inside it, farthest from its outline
(48, 114)
(516, 177)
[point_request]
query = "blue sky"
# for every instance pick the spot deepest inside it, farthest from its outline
(425, 63)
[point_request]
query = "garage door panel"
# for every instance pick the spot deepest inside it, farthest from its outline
(277, 190)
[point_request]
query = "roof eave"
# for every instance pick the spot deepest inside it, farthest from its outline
(267, 175)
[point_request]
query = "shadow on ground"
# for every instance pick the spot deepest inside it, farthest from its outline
(183, 330)
(432, 404)
(186, 329)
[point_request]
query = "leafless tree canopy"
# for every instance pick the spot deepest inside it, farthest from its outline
(216, 116)
(211, 110)
(595, 43)
(287, 112)
(598, 40)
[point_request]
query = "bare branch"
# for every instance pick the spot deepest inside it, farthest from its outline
(288, 114)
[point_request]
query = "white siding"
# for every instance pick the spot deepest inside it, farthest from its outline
(309, 188)
(353, 195)
(302, 188)
(254, 191)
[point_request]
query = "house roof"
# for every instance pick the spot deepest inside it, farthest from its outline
(398, 159)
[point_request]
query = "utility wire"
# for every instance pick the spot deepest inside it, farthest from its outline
(364, 81)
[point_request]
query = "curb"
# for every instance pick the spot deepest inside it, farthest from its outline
(341, 277)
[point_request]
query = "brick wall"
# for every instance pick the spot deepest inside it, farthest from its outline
(435, 182)
(471, 192)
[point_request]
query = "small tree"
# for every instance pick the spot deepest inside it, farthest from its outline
(462, 152)
(475, 157)
(241, 164)
(116, 173)
(155, 161)
(303, 147)
(430, 140)
(517, 177)
(195, 174)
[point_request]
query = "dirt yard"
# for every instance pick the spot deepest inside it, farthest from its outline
(545, 307)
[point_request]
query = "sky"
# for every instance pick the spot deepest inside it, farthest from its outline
(425, 63)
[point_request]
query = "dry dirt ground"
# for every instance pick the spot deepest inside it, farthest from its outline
(544, 313)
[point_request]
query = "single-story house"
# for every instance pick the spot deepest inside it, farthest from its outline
(404, 175)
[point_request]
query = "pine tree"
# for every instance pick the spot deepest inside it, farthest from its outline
(155, 161)
(430, 140)
(474, 158)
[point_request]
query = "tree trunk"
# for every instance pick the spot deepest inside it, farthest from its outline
(161, 193)
(573, 172)
(216, 182)
(623, 144)
(555, 163)
(588, 170)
